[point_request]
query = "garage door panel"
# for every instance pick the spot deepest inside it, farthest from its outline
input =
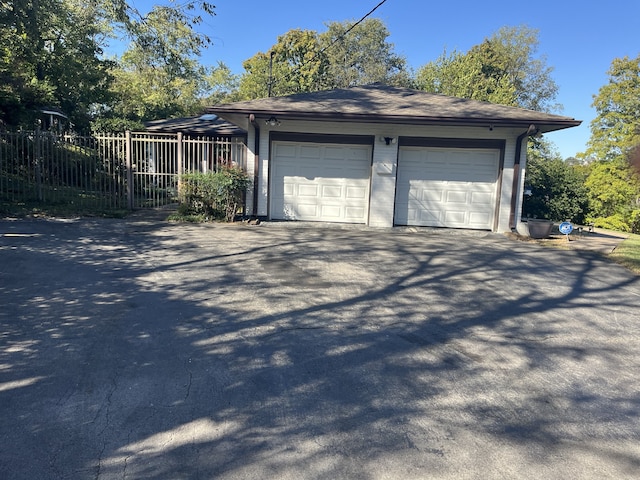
(479, 218)
(306, 190)
(454, 216)
(331, 191)
(456, 196)
(336, 153)
(289, 189)
(309, 151)
(357, 193)
(482, 198)
(354, 213)
(446, 187)
(331, 212)
(330, 182)
(431, 195)
(427, 216)
(285, 151)
(305, 209)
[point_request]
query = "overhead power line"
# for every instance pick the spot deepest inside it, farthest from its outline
(344, 34)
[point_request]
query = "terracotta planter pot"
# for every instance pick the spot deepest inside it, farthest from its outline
(539, 228)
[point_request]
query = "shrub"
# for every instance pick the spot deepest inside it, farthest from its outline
(213, 195)
(557, 188)
(613, 222)
(634, 222)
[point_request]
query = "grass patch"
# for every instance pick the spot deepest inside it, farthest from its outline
(189, 217)
(627, 253)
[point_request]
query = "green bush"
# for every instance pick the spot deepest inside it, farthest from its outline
(634, 221)
(613, 222)
(621, 222)
(557, 189)
(213, 195)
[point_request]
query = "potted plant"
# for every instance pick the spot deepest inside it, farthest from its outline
(539, 227)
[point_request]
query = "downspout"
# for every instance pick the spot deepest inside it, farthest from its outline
(256, 162)
(532, 130)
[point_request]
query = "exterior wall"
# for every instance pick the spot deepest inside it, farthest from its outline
(384, 162)
(251, 161)
(383, 183)
(506, 189)
(263, 186)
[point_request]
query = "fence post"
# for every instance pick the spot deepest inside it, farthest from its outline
(38, 162)
(129, 168)
(180, 164)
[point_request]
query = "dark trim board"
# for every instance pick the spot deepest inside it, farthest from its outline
(451, 142)
(321, 138)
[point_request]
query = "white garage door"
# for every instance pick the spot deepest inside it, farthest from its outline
(444, 187)
(320, 182)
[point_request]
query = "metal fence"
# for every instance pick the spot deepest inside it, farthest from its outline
(103, 172)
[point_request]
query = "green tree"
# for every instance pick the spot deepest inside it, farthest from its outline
(616, 129)
(159, 75)
(557, 187)
(52, 51)
(613, 190)
(305, 61)
(50, 56)
(503, 69)
(360, 55)
(166, 37)
(141, 92)
(221, 85)
(477, 75)
(295, 64)
(613, 184)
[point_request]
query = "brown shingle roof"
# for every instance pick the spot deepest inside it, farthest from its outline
(201, 125)
(386, 104)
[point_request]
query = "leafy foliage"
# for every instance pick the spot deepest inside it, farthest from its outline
(616, 129)
(362, 56)
(503, 69)
(306, 61)
(159, 76)
(557, 188)
(51, 55)
(221, 85)
(295, 64)
(613, 190)
(613, 182)
(213, 195)
(468, 76)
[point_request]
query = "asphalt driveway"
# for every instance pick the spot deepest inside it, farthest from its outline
(140, 349)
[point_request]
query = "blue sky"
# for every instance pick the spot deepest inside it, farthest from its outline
(578, 38)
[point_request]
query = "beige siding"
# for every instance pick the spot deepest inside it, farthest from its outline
(383, 184)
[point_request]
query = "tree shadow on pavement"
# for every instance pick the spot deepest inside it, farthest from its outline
(135, 349)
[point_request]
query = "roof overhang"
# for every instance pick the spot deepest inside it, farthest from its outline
(381, 104)
(544, 125)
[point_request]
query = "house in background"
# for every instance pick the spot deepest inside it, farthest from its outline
(207, 125)
(208, 142)
(385, 156)
(52, 119)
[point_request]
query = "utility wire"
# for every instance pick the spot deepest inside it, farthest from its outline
(344, 34)
(340, 37)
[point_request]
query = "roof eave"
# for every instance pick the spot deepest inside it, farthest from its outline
(544, 125)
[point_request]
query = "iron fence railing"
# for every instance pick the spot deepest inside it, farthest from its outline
(107, 171)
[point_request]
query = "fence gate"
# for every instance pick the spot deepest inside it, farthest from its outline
(130, 170)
